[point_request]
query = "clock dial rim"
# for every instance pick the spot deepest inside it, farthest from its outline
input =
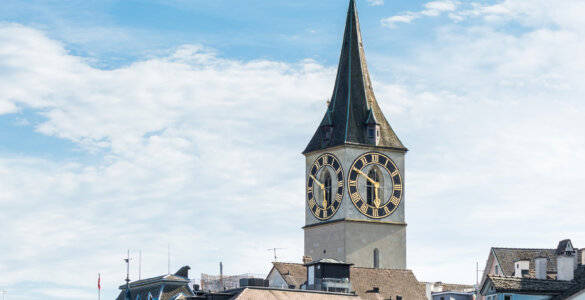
(336, 198)
(370, 208)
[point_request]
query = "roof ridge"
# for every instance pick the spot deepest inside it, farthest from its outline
(507, 248)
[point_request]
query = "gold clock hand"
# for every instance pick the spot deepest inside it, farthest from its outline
(377, 201)
(368, 178)
(324, 203)
(322, 186)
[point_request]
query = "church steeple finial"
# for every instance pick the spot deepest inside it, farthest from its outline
(353, 101)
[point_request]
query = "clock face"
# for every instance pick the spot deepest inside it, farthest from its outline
(325, 186)
(375, 185)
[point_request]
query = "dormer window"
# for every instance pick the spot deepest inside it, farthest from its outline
(326, 134)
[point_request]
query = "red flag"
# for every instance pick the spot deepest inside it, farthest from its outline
(99, 286)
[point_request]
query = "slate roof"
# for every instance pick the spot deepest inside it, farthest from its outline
(353, 98)
(391, 282)
(562, 246)
(280, 294)
(167, 286)
(508, 256)
(327, 261)
(529, 285)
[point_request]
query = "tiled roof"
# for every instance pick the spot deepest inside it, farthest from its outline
(293, 274)
(353, 98)
(579, 286)
(455, 287)
(508, 256)
(391, 282)
(529, 285)
(278, 294)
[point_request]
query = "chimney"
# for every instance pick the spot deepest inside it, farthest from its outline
(521, 268)
(307, 259)
(221, 275)
(565, 260)
(565, 268)
(540, 267)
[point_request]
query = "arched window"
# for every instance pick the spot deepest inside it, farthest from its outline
(328, 188)
(371, 189)
(376, 258)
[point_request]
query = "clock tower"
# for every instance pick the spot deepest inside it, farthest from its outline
(355, 171)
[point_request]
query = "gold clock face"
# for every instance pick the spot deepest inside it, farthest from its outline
(375, 185)
(325, 186)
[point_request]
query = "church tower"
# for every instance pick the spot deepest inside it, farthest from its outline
(355, 171)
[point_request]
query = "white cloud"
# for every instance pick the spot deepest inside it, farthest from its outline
(203, 152)
(192, 149)
(435, 8)
(376, 2)
(406, 18)
(432, 9)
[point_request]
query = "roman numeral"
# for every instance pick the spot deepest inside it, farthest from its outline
(324, 214)
(338, 171)
(355, 197)
(340, 183)
(309, 189)
(398, 187)
(324, 159)
(364, 208)
(394, 200)
(386, 210)
(375, 213)
(338, 197)
(318, 165)
(353, 183)
(395, 173)
(364, 160)
(312, 203)
(375, 158)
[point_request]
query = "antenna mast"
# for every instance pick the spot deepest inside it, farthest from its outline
(140, 265)
(169, 258)
(274, 250)
(127, 260)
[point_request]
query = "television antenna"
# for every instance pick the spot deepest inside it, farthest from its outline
(274, 251)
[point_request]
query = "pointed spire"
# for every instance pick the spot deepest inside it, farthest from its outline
(353, 102)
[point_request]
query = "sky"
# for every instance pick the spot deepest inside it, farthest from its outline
(156, 125)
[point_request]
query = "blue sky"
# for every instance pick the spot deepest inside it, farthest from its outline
(138, 124)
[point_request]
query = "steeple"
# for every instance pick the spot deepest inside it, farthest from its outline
(353, 106)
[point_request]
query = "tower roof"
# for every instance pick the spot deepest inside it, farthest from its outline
(353, 103)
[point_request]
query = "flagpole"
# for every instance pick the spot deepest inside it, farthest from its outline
(99, 287)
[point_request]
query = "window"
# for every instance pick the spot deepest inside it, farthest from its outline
(398, 297)
(328, 188)
(507, 297)
(370, 132)
(371, 188)
(496, 270)
(376, 258)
